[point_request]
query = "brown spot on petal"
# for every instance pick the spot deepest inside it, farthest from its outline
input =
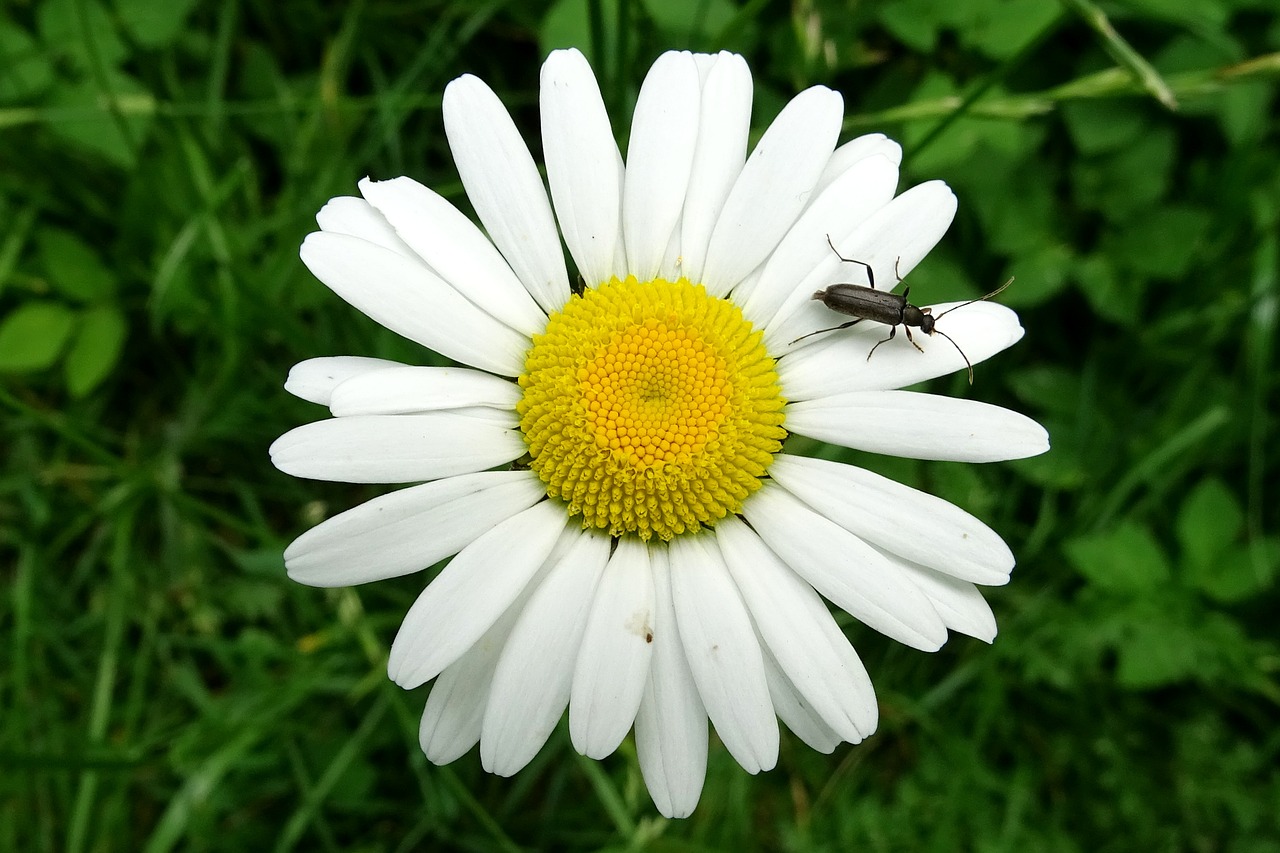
(639, 625)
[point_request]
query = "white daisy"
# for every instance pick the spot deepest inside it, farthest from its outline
(629, 539)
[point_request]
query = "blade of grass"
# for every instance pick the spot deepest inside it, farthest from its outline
(80, 831)
(102, 78)
(1122, 52)
(308, 811)
(1159, 460)
(1109, 83)
(1001, 73)
(1259, 344)
(608, 794)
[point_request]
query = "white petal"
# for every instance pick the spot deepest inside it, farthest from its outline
(801, 634)
(959, 603)
(664, 130)
(804, 261)
(672, 262)
(723, 126)
(855, 150)
(892, 242)
(584, 167)
(795, 711)
(450, 723)
(613, 665)
(410, 300)
(469, 595)
(841, 361)
(314, 379)
(845, 569)
(671, 727)
(456, 250)
(394, 448)
(532, 680)
(723, 653)
(409, 530)
(404, 390)
(451, 720)
(357, 218)
(502, 417)
(919, 426)
(773, 187)
(897, 518)
(504, 187)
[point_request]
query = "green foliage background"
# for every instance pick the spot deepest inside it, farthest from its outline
(165, 687)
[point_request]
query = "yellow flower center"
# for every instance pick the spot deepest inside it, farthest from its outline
(650, 408)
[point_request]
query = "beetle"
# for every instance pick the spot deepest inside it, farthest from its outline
(883, 306)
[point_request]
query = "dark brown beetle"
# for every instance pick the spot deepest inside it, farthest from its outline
(882, 306)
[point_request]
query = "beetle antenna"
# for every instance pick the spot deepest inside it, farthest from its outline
(995, 292)
(832, 329)
(957, 346)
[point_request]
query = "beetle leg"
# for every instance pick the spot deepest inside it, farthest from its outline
(832, 329)
(913, 340)
(871, 274)
(893, 330)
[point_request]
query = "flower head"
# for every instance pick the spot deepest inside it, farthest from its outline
(629, 539)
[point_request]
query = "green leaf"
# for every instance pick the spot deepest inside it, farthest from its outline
(965, 485)
(912, 22)
(1016, 222)
(96, 349)
(1202, 15)
(1063, 467)
(25, 70)
(1209, 521)
(1190, 52)
(701, 20)
(954, 146)
(153, 24)
(1244, 112)
(1161, 243)
(969, 145)
(112, 123)
(1242, 108)
(1115, 297)
(1127, 182)
(1039, 276)
(33, 335)
(1051, 389)
(1003, 28)
(261, 78)
(1156, 653)
(1125, 560)
(74, 269)
(1239, 573)
(1057, 394)
(81, 32)
(1098, 126)
(567, 24)
(941, 278)
(256, 599)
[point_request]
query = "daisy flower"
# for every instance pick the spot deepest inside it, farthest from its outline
(629, 539)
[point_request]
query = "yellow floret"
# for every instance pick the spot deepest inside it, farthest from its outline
(650, 408)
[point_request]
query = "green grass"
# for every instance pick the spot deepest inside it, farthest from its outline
(165, 687)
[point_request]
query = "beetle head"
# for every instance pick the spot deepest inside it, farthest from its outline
(921, 317)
